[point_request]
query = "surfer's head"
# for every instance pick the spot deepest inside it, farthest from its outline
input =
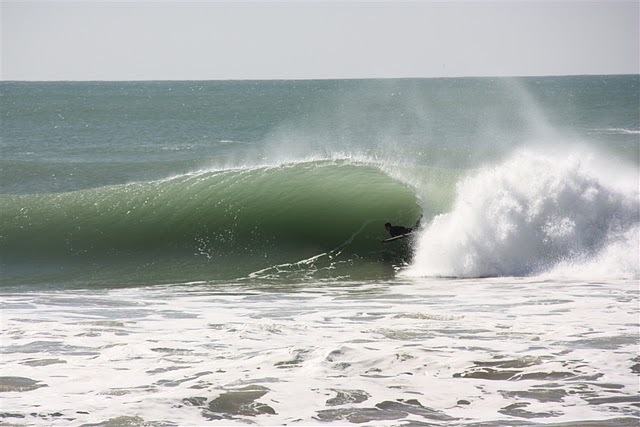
(387, 225)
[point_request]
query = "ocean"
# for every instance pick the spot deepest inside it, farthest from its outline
(186, 253)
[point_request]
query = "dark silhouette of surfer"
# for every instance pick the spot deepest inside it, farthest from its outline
(399, 230)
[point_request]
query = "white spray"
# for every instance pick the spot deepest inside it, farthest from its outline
(537, 213)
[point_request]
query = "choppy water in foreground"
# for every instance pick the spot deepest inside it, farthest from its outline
(490, 352)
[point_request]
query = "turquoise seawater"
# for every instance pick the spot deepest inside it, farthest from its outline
(209, 253)
(171, 182)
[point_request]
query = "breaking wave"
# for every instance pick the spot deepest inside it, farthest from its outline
(537, 214)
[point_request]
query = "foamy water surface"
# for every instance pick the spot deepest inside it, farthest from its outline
(492, 352)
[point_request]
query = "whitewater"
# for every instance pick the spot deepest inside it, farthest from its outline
(557, 214)
(209, 253)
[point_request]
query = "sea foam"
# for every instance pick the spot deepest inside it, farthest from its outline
(537, 213)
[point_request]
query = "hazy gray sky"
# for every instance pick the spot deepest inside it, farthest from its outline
(264, 40)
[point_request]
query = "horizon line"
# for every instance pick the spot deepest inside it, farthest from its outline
(3, 80)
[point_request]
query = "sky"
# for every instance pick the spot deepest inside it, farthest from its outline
(208, 40)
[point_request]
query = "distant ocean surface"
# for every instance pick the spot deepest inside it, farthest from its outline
(209, 252)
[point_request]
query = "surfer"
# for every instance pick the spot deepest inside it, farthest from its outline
(399, 230)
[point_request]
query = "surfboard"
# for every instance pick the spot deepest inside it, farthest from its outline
(391, 239)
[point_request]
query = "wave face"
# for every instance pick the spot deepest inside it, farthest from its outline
(207, 224)
(537, 213)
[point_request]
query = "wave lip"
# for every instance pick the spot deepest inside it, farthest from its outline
(534, 214)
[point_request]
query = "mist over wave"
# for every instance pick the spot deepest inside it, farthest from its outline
(538, 212)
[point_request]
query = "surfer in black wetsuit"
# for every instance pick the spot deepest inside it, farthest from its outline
(399, 230)
(396, 230)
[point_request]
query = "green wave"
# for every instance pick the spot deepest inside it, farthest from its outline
(202, 226)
